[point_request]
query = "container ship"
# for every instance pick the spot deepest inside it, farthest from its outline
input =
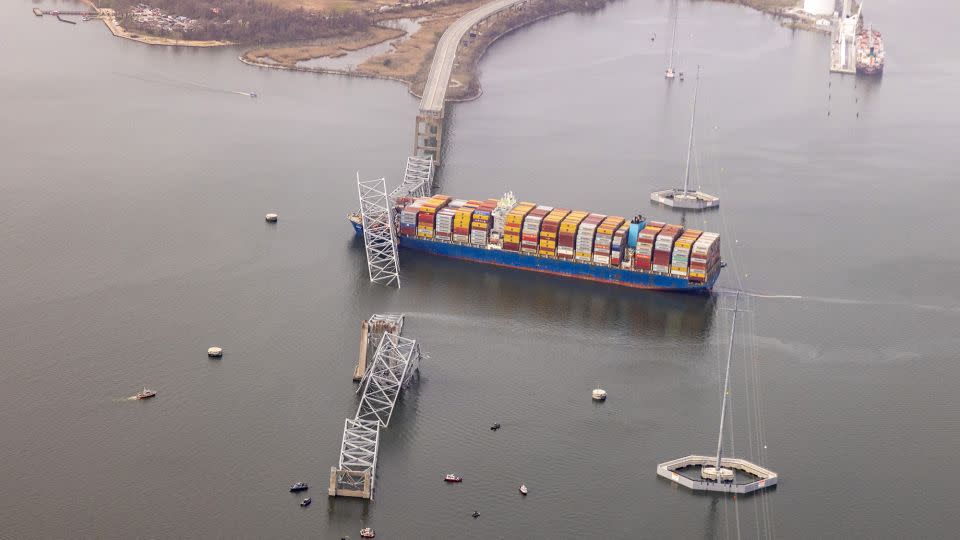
(870, 54)
(571, 243)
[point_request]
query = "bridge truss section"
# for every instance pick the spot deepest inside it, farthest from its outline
(378, 234)
(395, 363)
(417, 179)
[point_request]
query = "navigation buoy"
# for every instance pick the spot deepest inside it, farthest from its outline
(271, 218)
(215, 352)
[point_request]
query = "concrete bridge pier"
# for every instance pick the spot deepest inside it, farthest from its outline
(429, 135)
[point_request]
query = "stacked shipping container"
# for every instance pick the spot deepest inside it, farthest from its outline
(704, 257)
(481, 222)
(530, 236)
(663, 248)
(643, 257)
(602, 245)
(585, 236)
(427, 215)
(618, 245)
(681, 252)
(513, 225)
(549, 230)
(567, 237)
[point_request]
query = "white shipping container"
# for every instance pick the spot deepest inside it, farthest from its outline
(602, 259)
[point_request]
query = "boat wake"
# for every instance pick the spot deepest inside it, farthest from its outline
(848, 301)
(179, 83)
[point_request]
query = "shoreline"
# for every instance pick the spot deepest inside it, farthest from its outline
(109, 18)
(409, 62)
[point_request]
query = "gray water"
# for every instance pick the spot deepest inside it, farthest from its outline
(134, 185)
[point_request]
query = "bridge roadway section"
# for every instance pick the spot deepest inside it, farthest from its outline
(430, 119)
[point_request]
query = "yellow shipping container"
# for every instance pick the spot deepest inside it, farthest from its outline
(572, 221)
(610, 225)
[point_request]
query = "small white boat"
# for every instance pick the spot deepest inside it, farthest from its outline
(146, 393)
(523, 489)
(599, 394)
(367, 532)
(452, 478)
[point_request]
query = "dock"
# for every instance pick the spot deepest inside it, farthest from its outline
(395, 363)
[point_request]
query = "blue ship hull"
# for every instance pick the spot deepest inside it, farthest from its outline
(578, 270)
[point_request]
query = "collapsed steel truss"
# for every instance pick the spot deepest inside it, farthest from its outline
(396, 360)
(378, 233)
(417, 179)
(394, 364)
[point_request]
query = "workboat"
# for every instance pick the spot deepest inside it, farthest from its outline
(299, 486)
(146, 393)
(523, 489)
(367, 532)
(306, 502)
(452, 478)
(494, 427)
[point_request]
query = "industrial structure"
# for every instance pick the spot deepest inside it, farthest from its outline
(393, 365)
(717, 473)
(843, 39)
(820, 7)
(684, 198)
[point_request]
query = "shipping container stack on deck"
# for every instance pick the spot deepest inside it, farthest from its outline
(549, 230)
(567, 237)
(704, 257)
(514, 224)
(643, 259)
(428, 214)
(663, 248)
(461, 221)
(408, 218)
(585, 236)
(619, 244)
(443, 223)
(530, 235)
(481, 222)
(604, 241)
(680, 261)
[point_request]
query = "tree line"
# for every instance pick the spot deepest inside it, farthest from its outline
(244, 21)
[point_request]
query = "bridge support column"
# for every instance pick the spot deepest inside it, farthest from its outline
(429, 135)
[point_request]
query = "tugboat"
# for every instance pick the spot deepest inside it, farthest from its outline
(299, 486)
(146, 393)
(476, 514)
(523, 489)
(306, 502)
(452, 478)
(494, 427)
(367, 532)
